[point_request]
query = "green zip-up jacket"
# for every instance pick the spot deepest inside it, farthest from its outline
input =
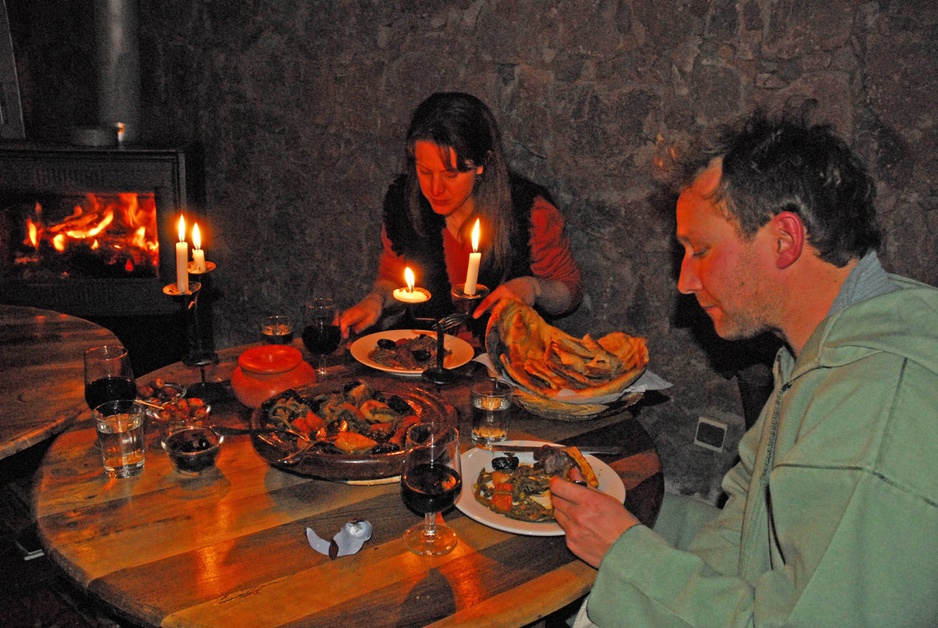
(832, 516)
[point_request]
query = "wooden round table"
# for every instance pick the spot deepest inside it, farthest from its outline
(229, 547)
(41, 367)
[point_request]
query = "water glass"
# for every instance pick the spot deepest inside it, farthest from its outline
(491, 411)
(121, 437)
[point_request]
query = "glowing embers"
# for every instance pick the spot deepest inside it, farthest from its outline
(105, 235)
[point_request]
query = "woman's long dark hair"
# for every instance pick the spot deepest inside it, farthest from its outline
(462, 122)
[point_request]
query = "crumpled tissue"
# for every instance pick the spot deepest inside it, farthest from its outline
(348, 541)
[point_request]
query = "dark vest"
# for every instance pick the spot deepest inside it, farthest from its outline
(426, 252)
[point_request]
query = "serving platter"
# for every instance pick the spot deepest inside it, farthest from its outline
(475, 459)
(461, 352)
(352, 468)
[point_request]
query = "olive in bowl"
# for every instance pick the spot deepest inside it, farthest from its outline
(193, 449)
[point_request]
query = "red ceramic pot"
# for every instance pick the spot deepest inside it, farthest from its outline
(265, 371)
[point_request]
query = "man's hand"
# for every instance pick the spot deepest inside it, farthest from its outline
(523, 288)
(592, 520)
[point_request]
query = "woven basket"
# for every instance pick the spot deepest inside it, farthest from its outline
(561, 411)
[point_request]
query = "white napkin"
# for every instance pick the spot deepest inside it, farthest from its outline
(648, 381)
(348, 541)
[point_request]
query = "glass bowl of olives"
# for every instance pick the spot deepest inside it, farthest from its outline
(193, 450)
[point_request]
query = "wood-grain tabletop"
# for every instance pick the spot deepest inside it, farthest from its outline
(229, 547)
(42, 373)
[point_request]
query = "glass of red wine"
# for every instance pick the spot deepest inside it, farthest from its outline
(430, 484)
(108, 375)
(321, 332)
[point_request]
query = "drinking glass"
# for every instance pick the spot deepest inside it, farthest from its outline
(321, 333)
(119, 425)
(277, 330)
(430, 484)
(108, 375)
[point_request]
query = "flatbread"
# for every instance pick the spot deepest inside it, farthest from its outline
(546, 360)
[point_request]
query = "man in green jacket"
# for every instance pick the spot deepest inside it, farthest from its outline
(832, 511)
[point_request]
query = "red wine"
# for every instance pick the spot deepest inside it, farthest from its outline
(430, 488)
(321, 336)
(109, 389)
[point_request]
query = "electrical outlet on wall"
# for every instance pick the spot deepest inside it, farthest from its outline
(710, 434)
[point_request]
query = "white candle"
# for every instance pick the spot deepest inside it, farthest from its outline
(182, 258)
(472, 275)
(198, 255)
(411, 294)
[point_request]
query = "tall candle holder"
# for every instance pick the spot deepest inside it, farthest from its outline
(467, 303)
(198, 354)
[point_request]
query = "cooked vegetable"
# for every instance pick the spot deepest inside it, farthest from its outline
(355, 419)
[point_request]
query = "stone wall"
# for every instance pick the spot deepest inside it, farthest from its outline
(301, 107)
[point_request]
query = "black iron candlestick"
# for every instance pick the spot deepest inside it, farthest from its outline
(467, 303)
(198, 354)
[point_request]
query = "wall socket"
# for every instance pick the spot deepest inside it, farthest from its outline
(710, 434)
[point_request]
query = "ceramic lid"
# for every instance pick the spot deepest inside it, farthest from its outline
(269, 359)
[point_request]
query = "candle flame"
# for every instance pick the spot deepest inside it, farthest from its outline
(196, 236)
(182, 228)
(409, 278)
(475, 237)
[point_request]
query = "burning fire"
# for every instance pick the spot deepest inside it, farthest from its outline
(119, 229)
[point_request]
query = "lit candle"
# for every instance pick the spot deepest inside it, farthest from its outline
(411, 294)
(182, 258)
(198, 255)
(472, 275)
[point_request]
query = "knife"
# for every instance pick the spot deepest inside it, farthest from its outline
(602, 450)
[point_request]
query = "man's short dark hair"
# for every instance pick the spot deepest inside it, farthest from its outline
(774, 166)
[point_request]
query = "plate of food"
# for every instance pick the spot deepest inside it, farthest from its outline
(409, 352)
(351, 430)
(509, 491)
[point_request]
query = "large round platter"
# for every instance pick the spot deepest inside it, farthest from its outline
(353, 468)
(475, 459)
(460, 350)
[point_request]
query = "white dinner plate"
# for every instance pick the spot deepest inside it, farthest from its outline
(475, 459)
(460, 350)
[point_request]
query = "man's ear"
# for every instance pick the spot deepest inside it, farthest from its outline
(789, 233)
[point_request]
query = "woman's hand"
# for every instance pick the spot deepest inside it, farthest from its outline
(362, 315)
(592, 520)
(523, 288)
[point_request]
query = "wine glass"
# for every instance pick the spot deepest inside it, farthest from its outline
(430, 483)
(108, 375)
(321, 333)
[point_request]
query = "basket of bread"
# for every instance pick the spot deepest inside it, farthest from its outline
(558, 376)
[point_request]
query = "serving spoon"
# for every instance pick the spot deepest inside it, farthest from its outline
(288, 461)
(294, 458)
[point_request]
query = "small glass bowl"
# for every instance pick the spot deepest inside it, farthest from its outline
(193, 450)
(158, 391)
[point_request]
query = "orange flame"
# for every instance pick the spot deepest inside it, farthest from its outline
(32, 233)
(119, 227)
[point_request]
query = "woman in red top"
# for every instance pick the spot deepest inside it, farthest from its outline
(457, 173)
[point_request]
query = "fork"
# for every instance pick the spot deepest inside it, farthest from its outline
(452, 320)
